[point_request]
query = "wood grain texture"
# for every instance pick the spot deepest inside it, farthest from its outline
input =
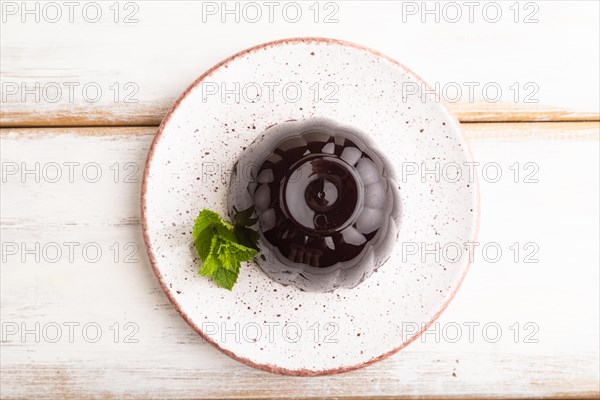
(558, 295)
(51, 71)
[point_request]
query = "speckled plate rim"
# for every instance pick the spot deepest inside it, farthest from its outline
(152, 259)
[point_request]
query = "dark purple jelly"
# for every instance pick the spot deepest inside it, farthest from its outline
(327, 203)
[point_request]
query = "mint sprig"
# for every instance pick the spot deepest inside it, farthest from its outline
(222, 247)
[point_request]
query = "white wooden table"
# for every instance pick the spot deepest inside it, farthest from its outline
(82, 314)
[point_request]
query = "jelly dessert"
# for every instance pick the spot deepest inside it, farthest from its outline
(327, 203)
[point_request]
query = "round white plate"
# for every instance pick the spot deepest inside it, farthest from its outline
(280, 328)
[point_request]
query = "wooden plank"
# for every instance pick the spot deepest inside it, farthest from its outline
(141, 63)
(554, 302)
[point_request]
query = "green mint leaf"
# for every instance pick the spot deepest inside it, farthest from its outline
(203, 242)
(241, 252)
(227, 259)
(210, 263)
(220, 248)
(209, 266)
(205, 219)
(210, 219)
(225, 278)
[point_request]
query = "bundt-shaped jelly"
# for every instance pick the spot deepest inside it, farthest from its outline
(327, 203)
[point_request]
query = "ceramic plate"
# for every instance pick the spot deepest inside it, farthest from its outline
(280, 328)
